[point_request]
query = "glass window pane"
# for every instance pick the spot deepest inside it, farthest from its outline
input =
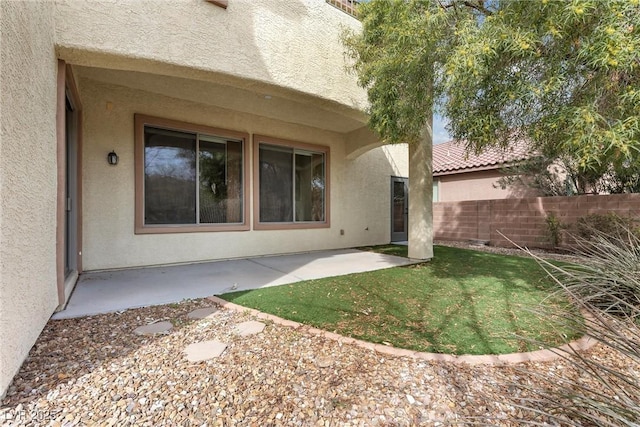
(169, 177)
(220, 180)
(309, 186)
(213, 184)
(436, 196)
(276, 186)
(398, 206)
(235, 208)
(317, 187)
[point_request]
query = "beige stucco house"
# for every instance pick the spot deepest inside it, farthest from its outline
(145, 133)
(459, 175)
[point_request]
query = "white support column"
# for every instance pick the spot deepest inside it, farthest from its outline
(421, 196)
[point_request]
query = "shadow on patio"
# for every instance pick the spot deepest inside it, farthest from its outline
(110, 291)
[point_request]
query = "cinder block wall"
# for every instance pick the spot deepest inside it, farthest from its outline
(523, 220)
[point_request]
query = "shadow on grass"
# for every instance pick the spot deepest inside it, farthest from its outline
(461, 302)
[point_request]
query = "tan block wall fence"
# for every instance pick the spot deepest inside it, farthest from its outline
(522, 220)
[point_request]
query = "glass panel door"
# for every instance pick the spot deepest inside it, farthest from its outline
(71, 189)
(67, 190)
(399, 209)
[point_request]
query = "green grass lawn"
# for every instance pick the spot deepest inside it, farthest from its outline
(461, 302)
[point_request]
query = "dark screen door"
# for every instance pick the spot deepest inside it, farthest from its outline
(399, 209)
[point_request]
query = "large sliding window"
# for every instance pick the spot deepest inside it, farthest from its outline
(188, 177)
(292, 190)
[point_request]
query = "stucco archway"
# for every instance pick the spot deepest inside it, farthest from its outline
(362, 140)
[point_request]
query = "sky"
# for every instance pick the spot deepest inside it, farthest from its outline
(440, 134)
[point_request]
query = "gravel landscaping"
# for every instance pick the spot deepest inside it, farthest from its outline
(137, 367)
(97, 371)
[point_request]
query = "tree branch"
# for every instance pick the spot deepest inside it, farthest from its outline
(477, 5)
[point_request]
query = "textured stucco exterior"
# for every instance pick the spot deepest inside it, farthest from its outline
(28, 293)
(478, 185)
(264, 67)
(271, 68)
(286, 48)
(421, 196)
(359, 198)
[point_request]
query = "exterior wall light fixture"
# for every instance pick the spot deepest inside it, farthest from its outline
(112, 158)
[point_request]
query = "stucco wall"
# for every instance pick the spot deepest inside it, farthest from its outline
(367, 193)
(480, 185)
(359, 188)
(293, 44)
(28, 293)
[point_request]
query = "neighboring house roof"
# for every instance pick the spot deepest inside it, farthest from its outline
(451, 157)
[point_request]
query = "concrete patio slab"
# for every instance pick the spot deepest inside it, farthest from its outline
(316, 265)
(109, 291)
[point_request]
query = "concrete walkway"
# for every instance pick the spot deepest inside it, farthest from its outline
(108, 291)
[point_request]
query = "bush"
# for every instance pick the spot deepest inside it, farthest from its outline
(610, 224)
(606, 289)
(609, 279)
(554, 228)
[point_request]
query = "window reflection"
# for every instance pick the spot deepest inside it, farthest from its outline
(171, 194)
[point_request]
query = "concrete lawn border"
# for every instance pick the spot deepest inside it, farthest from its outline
(545, 355)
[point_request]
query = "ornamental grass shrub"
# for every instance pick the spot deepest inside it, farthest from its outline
(609, 225)
(596, 390)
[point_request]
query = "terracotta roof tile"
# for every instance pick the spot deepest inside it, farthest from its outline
(451, 157)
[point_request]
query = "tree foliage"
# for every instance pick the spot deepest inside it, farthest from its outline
(564, 176)
(563, 74)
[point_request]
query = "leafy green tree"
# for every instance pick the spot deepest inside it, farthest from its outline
(564, 176)
(563, 74)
